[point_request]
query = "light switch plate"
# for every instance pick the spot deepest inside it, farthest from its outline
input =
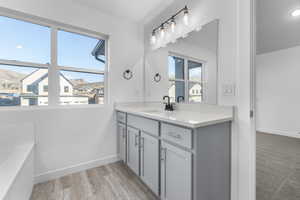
(228, 89)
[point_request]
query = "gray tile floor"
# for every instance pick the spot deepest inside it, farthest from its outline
(278, 167)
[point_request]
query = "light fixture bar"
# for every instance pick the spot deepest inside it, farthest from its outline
(185, 10)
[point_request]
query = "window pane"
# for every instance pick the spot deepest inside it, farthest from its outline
(23, 86)
(75, 50)
(176, 88)
(81, 88)
(195, 71)
(24, 41)
(195, 92)
(176, 67)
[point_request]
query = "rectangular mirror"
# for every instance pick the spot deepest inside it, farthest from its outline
(189, 67)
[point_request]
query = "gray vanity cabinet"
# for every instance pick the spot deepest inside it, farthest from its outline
(176, 173)
(133, 150)
(150, 161)
(177, 162)
(122, 141)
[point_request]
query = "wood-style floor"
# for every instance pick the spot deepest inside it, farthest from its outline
(111, 182)
(277, 167)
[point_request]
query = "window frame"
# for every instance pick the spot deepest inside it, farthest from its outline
(53, 67)
(186, 75)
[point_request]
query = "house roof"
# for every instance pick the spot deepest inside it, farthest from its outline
(43, 76)
(99, 49)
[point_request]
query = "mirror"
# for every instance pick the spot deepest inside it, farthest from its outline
(189, 68)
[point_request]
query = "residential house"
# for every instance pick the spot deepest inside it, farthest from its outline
(34, 90)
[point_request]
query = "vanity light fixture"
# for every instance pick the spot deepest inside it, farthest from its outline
(296, 13)
(171, 22)
(162, 31)
(153, 37)
(186, 16)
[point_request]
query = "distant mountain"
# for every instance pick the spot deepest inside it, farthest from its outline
(10, 80)
(81, 83)
(10, 76)
(76, 82)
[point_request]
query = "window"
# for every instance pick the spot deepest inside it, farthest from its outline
(195, 81)
(185, 78)
(66, 89)
(45, 88)
(24, 41)
(26, 59)
(176, 77)
(82, 62)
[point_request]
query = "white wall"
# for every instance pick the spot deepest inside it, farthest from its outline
(68, 137)
(278, 92)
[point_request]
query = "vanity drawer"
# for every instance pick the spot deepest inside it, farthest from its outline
(176, 134)
(121, 117)
(144, 124)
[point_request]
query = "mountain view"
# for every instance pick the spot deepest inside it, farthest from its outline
(10, 80)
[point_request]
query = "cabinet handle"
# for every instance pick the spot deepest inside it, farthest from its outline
(163, 154)
(135, 140)
(174, 135)
(127, 149)
(143, 155)
(142, 142)
(165, 172)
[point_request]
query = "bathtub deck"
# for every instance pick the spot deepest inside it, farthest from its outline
(110, 182)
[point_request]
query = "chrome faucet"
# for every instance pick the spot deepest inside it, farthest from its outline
(169, 105)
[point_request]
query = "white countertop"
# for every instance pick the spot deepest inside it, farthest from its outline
(188, 115)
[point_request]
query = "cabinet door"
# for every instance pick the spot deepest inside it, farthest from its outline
(122, 141)
(133, 149)
(150, 161)
(176, 173)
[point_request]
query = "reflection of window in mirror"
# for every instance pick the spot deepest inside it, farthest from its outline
(176, 77)
(185, 78)
(195, 81)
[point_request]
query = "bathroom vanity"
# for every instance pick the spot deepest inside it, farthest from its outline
(179, 155)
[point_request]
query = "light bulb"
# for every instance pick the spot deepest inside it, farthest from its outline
(162, 32)
(153, 38)
(186, 16)
(173, 25)
(198, 28)
(296, 13)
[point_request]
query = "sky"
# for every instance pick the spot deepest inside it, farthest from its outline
(29, 42)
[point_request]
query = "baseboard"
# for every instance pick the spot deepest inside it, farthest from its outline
(50, 175)
(279, 132)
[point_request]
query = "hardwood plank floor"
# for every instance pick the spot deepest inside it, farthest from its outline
(277, 167)
(110, 182)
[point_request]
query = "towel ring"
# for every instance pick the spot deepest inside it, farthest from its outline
(157, 77)
(127, 74)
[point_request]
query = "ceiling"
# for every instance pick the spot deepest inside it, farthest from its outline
(134, 10)
(276, 28)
